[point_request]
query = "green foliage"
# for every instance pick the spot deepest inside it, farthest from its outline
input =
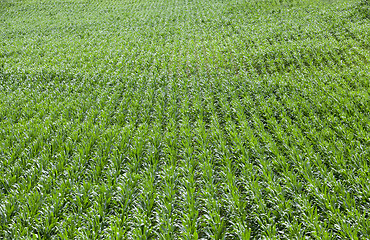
(364, 8)
(184, 119)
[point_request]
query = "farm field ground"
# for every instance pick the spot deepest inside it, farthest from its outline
(185, 119)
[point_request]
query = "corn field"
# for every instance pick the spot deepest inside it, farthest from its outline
(184, 119)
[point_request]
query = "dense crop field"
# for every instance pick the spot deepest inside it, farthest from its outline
(185, 119)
